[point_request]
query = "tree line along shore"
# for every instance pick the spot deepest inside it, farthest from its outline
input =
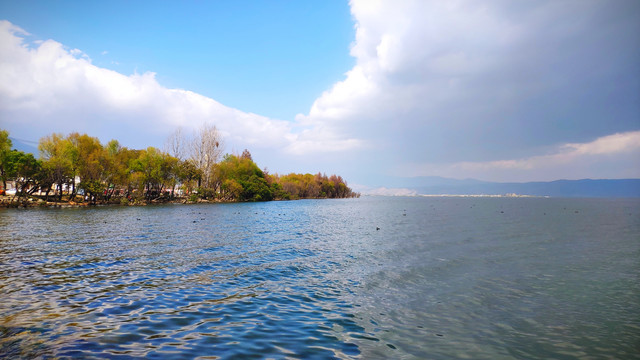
(77, 169)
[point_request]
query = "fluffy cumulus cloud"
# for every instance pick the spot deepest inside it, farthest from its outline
(46, 87)
(469, 84)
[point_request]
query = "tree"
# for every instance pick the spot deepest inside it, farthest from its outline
(155, 169)
(246, 155)
(105, 170)
(91, 164)
(25, 169)
(148, 166)
(111, 167)
(188, 174)
(244, 172)
(169, 171)
(55, 151)
(231, 189)
(46, 179)
(312, 186)
(5, 148)
(122, 172)
(176, 144)
(73, 153)
(205, 151)
(256, 189)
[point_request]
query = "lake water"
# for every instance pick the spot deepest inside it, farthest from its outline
(375, 277)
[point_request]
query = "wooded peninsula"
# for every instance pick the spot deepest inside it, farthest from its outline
(78, 169)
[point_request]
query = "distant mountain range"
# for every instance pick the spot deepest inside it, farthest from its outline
(559, 188)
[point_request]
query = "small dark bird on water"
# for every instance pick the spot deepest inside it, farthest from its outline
(377, 228)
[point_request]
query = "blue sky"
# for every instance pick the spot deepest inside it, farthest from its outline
(270, 58)
(377, 91)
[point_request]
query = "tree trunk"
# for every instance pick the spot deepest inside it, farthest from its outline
(73, 189)
(17, 194)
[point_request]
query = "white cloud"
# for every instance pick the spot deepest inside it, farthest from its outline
(612, 144)
(619, 152)
(45, 87)
(319, 140)
(463, 83)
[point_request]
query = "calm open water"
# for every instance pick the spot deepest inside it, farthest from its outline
(442, 278)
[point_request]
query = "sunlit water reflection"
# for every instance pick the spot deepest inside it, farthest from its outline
(441, 278)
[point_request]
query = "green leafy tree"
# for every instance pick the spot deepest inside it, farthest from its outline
(123, 174)
(309, 186)
(72, 152)
(147, 165)
(5, 149)
(55, 152)
(256, 188)
(155, 169)
(243, 171)
(25, 170)
(92, 189)
(91, 165)
(46, 179)
(231, 190)
(188, 174)
(169, 172)
(111, 167)
(108, 170)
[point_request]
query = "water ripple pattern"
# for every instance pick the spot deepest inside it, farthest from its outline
(409, 278)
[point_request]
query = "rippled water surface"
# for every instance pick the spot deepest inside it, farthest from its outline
(376, 277)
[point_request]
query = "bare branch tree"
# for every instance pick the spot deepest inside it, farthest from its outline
(176, 144)
(206, 150)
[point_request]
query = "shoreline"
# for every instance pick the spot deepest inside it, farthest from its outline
(33, 202)
(6, 203)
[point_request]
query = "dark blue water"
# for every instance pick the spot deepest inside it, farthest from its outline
(442, 278)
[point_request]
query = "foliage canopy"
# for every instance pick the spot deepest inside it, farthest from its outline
(79, 167)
